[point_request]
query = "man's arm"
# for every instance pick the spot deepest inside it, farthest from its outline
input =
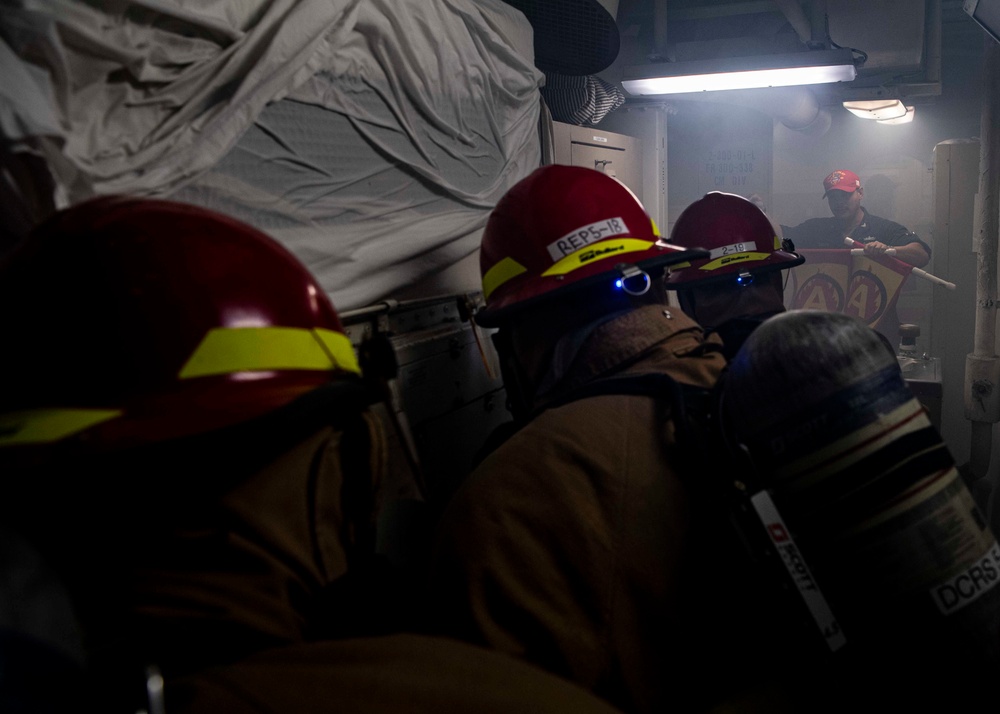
(908, 246)
(913, 253)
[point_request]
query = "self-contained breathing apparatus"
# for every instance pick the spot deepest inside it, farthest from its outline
(818, 640)
(865, 483)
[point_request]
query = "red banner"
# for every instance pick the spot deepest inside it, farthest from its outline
(837, 281)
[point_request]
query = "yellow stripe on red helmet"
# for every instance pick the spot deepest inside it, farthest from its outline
(225, 350)
(500, 273)
(222, 351)
(43, 426)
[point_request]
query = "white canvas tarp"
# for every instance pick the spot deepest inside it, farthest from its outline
(372, 138)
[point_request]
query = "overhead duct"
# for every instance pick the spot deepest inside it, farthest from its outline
(797, 19)
(812, 29)
(800, 110)
(572, 37)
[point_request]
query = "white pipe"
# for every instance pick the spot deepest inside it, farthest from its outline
(982, 378)
(861, 251)
(792, 10)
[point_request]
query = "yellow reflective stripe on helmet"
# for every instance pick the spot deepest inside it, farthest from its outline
(500, 273)
(598, 251)
(734, 258)
(340, 349)
(225, 350)
(42, 426)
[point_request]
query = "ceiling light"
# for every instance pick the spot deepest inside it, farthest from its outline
(878, 109)
(810, 67)
(905, 119)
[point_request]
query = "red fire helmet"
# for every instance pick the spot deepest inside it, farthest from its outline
(130, 321)
(738, 236)
(561, 228)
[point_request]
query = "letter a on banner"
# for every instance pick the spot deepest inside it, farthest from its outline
(856, 285)
(821, 282)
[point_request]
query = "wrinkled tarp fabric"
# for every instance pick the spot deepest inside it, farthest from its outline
(372, 138)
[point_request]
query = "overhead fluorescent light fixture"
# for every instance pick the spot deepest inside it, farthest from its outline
(877, 109)
(809, 67)
(905, 119)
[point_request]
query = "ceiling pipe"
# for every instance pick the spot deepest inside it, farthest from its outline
(792, 10)
(819, 22)
(812, 29)
(798, 109)
(662, 52)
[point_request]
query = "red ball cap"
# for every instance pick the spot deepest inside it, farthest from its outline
(841, 180)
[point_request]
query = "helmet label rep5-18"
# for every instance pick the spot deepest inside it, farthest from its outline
(585, 235)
